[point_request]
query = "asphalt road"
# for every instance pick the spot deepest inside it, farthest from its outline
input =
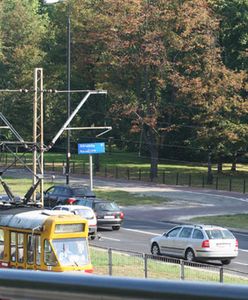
(135, 236)
(144, 222)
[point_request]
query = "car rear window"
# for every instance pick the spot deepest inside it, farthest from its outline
(86, 213)
(83, 192)
(219, 234)
(106, 206)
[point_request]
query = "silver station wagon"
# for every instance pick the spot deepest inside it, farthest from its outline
(197, 242)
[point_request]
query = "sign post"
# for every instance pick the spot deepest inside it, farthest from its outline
(91, 172)
(91, 148)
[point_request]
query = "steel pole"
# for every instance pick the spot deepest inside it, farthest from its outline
(68, 146)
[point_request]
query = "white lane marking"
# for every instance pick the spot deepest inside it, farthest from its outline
(141, 231)
(111, 239)
(155, 234)
(238, 233)
(214, 195)
(239, 263)
(243, 250)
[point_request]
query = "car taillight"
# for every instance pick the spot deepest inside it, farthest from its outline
(236, 243)
(205, 244)
(122, 215)
(70, 200)
(89, 271)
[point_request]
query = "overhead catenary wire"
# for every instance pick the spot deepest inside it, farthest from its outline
(52, 91)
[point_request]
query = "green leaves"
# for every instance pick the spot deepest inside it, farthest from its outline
(168, 67)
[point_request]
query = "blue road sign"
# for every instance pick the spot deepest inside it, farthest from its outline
(91, 148)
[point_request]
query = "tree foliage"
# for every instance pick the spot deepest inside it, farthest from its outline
(175, 70)
(22, 30)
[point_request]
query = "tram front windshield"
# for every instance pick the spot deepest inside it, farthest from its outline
(72, 252)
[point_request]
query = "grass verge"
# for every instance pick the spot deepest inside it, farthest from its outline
(127, 265)
(126, 198)
(20, 187)
(233, 221)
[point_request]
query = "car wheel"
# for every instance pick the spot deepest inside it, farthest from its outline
(225, 261)
(116, 227)
(92, 237)
(189, 255)
(155, 249)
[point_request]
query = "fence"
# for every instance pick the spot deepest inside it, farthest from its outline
(115, 262)
(165, 176)
(220, 182)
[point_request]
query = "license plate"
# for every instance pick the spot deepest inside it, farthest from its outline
(109, 217)
(223, 244)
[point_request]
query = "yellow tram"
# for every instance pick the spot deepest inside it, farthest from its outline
(37, 239)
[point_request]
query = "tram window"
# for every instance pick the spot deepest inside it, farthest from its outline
(49, 256)
(13, 246)
(30, 249)
(1, 243)
(38, 250)
(20, 245)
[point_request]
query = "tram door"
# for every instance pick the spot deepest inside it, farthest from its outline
(33, 251)
(17, 250)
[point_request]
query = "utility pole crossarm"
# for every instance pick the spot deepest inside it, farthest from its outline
(64, 127)
(12, 129)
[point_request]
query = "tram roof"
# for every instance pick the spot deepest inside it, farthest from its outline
(24, 218)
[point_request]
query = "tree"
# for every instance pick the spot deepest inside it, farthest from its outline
(22, 31)
(210, 92)
(131, 57)
(233, 32)
(161, 63)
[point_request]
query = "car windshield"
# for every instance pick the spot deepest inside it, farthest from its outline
(86, 213)
(219, 234)
(106, 206)
(71, 252)
(83, 192)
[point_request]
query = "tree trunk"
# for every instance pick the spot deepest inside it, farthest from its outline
(154, 163)
(210, 174)
(219, 167)
(234, 165)
(151, 142)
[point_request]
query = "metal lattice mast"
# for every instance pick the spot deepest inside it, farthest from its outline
(38, 133)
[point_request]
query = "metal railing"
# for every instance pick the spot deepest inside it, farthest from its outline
(220, 182)
(19, 284)
(115, 262)
(235, 183)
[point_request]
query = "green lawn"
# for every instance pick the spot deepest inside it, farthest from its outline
(126, 198)
(232, 221)
(20, 186)
(132, 167)
(133, 160)
(124, 264)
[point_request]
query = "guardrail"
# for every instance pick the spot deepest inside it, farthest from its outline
(20, 284)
